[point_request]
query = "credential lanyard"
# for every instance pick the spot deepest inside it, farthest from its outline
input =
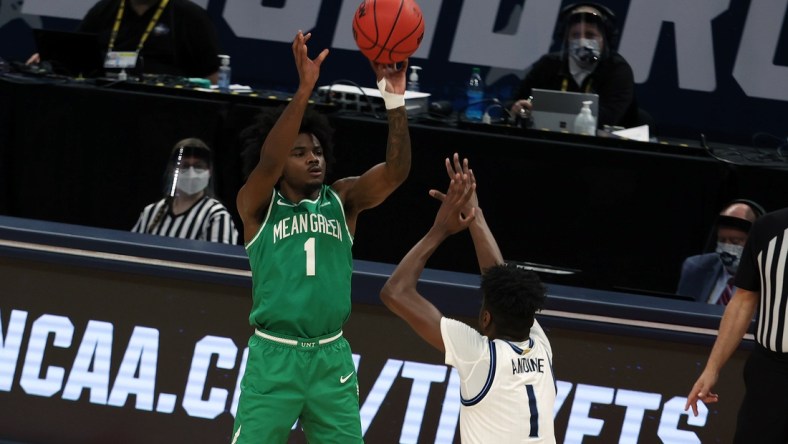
(151, 25)
(565, 85)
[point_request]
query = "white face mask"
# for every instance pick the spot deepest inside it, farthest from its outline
(192, 181)
(585, 52)
(730, 255)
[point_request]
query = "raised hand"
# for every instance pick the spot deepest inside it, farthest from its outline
(395, 75)
(452, 168)
(308, 69)
(450, 218)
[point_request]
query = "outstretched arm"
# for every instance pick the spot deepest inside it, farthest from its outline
(376, 184)
(399, 293)
(734, 324)
(256, 193)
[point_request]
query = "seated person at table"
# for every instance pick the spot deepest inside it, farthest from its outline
(182, 41)
(709, 277)
(587, 62)
(187, 210)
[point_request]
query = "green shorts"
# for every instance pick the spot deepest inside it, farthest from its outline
(289, 378)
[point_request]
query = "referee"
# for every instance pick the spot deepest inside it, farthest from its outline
(762, 282)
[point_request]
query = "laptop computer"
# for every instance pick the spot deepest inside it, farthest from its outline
(69, 53)
(556, 110)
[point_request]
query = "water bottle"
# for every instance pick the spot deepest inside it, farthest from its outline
(224, 73)
(585, 122)
(475, 93)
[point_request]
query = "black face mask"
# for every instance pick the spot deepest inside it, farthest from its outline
(730, 255)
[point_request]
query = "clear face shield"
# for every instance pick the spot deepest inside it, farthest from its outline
(585, 38)
(188, 172)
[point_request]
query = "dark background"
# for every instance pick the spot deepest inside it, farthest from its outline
(726, 114)
(623, 213)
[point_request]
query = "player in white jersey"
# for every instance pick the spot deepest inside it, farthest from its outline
(507, 384)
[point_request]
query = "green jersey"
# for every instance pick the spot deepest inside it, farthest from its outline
(301, 264)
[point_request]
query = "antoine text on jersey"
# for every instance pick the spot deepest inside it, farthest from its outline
(525, 365)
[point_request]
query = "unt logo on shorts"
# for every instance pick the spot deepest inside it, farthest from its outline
(308, 344)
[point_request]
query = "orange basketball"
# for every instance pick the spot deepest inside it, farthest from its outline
(388, 31)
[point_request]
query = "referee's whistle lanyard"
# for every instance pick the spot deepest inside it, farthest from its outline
(565, 84)
(151, 25)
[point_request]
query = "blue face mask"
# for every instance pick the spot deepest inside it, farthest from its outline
(730, 255)
(585, 52)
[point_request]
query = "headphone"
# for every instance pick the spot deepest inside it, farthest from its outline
(756, 208)
(606, 16)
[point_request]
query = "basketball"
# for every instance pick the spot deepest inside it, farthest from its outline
(388, 31)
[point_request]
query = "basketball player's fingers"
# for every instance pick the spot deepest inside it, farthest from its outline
(466, 219)
(307, 36)
(380, 70)
(295, 44)
(389, 70)
(454, 186)
(467, 192)
(299, 47)
(320, 57)
(396, 72)
(461, 167)
(457, 165)
(472, 181)
(382, 67)
(451, 194)
(449, 170)
(463, 190)
(458, 190)
(378, 74)
(464, 169)
(437, 195)
(453, 166)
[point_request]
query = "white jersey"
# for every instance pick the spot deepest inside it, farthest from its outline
(507, 388)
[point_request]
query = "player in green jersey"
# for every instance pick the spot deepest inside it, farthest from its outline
(298, 233)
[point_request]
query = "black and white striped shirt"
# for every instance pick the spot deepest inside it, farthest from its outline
(763, 269)
(206, 220)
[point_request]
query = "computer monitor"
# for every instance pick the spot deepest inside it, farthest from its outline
(556, 110)
(69, 53)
